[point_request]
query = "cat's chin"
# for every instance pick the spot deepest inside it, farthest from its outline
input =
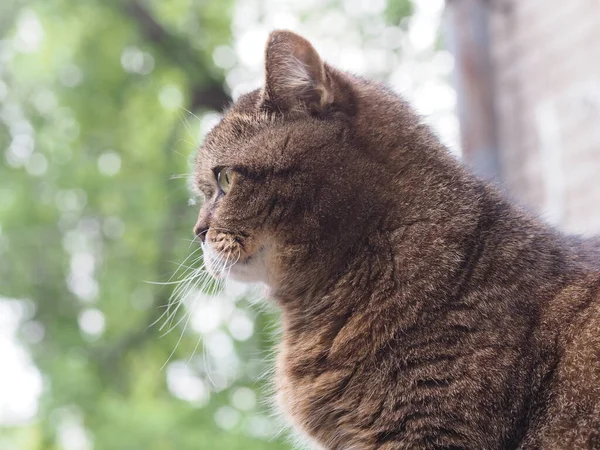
(251, 269)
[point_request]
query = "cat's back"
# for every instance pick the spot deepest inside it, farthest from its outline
(571, 410)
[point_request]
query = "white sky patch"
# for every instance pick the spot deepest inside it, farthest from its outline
(109, 163)
(86, 253)
(71, 200)
(260, 426)
(433, 96)
(170, 97)
(185, 384)
(37, 165)
(113, 227)
(207, 315)
(92, 322)
(21, 148)
(71, 433)
(241, 326)
(30, 33)
(3, 91)
(243, 398)
(208, 121)
(71, 75)
(227, 418)
(219, 345)
(45, 101)
(20, 381)
(250, 47)
(134, 60)
(224, 57)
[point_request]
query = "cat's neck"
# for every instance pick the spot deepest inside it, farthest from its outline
(411, 274)
(399, 238)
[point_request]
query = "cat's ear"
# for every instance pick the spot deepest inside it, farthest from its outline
(295, 75)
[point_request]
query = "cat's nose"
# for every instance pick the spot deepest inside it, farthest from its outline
(200, 230)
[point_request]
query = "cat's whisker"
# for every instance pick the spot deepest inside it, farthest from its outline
(169, 281)
(200, 279)
(178, 340)
(205, 359)
(228, 268)
(187, 267)
(190, 143)
(187, 126)
(179, 176)
(173, 298)
(179, 267)
(190, 113)
(176, 282)
(185, 260)
(182, 290)
(194, 282)
(191, 274)
(196, 237)
(203, 278)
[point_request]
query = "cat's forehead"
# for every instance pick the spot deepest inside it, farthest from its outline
(244, 121)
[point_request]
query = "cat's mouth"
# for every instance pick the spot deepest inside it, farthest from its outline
(230, 256)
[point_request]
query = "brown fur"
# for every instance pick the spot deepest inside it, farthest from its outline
(420, 308)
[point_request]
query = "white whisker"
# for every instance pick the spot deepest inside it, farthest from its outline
(191, 283)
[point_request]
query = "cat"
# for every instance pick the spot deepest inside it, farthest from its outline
(420, 309)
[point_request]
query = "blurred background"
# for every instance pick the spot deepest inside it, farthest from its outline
(102, 104)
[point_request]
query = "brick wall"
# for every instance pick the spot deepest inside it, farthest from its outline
(545, 59)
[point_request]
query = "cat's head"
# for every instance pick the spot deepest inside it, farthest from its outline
(295, 172)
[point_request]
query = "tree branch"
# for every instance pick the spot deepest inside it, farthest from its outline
(206, 90)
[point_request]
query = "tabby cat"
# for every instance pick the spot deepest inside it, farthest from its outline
(420, 308)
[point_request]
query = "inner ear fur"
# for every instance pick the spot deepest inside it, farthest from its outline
(295, 75)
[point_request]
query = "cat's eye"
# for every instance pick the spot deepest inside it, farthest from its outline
(224, 179)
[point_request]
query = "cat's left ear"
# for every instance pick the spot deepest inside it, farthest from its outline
(296, 77)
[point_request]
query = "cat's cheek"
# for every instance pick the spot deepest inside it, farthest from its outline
(251, 271)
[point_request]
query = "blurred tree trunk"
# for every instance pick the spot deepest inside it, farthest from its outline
(467, 26)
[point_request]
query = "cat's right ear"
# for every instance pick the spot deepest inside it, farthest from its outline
(295, 76)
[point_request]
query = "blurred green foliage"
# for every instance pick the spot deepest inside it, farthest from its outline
(398, 10)
(100, 108)
(95, 125)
